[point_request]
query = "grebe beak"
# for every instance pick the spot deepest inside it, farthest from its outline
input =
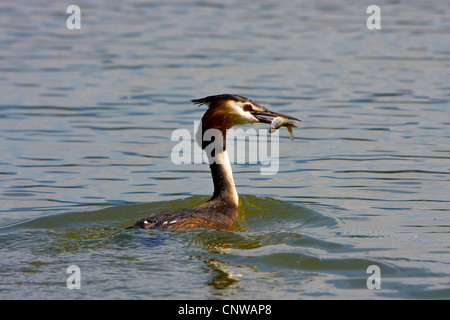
(265, 112)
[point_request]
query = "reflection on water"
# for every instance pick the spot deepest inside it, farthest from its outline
(85, 123)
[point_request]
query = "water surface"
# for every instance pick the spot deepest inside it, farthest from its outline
(86, 118)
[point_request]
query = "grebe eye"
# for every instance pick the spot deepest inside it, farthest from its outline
(247, 107)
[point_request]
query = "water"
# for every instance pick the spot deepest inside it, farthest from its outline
(86, 118)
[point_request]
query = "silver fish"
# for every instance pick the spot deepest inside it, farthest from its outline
(279, 122)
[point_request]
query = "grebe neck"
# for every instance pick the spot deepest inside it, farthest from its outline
(224, 188)
(214, 144)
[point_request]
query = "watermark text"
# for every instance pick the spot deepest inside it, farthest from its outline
(249, 146)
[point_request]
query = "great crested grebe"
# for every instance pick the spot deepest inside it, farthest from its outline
(219, 212)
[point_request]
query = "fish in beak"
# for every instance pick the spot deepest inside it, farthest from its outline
(259, 113)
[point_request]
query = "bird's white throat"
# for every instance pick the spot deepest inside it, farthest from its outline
(222, 158)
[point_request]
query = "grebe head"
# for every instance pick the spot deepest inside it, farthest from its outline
(227, 110)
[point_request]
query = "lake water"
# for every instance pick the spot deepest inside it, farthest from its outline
(86, 118)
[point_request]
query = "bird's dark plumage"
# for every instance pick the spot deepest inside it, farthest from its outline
(209, 99)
